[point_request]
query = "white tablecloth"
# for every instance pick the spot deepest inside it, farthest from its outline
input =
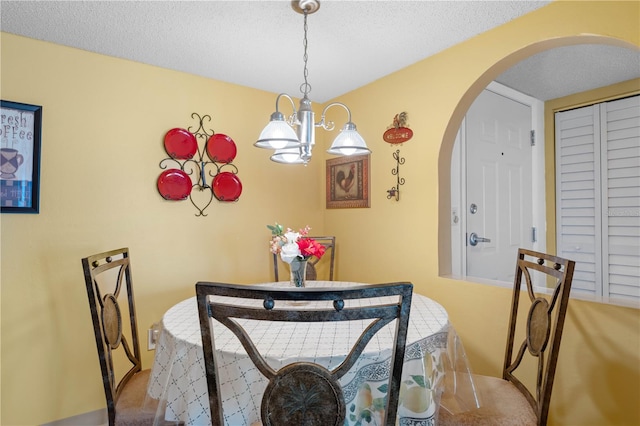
(178, 374)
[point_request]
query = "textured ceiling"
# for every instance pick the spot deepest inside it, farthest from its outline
(350, 43)
(572, 69)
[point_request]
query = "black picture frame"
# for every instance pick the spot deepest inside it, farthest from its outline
(20, 143)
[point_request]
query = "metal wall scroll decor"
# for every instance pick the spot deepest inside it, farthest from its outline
(394, 192)
(187, 168)
(397, 133)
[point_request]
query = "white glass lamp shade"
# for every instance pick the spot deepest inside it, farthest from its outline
(287, 156)
(349, 142)
(277, 134)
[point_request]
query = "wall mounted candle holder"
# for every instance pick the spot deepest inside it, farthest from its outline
(187, 168)
(394, 192)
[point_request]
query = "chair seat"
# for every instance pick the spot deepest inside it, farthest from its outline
(130, 409)
(502, 405)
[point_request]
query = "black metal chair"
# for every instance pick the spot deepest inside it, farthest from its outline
(329, 244)
(302, 393)
(109, 288)
(507, 400)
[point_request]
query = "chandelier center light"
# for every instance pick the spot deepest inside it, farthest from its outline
(292, 138)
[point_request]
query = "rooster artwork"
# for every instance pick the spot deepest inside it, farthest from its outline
(346, 181)
(398, 132)
(400, 120)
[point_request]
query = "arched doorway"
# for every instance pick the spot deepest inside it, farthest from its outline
(444, 162)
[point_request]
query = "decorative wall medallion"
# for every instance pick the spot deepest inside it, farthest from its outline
(398, 132)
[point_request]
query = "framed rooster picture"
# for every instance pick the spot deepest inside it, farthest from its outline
(348, 182)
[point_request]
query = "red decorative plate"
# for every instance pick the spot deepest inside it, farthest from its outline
(180, 144)
(221, 148)
(227, 186)
(174, 184)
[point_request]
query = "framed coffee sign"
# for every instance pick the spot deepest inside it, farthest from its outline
(20, 134)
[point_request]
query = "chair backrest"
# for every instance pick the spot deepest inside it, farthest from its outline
(326, 405)
(329, 244)
(109, 288)
(543, 326)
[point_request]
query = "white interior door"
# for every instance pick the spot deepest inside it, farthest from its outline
(498, 206)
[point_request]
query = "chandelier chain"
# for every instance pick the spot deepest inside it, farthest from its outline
(305, 87)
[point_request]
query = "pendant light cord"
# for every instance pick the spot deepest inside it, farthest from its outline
(305, 87)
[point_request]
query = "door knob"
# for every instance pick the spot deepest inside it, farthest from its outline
(474, 239)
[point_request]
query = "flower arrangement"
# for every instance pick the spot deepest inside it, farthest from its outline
(292, 245)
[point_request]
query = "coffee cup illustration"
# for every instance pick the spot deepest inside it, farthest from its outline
(10, 160)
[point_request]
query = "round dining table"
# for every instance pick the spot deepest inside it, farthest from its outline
(178, 377)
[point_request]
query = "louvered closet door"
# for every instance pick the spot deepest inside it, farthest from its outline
(578, 195)
(598, 197)
(620, 129)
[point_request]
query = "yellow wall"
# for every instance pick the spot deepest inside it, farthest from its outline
(103, 123)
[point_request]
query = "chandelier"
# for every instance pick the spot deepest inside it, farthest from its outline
(295, 146)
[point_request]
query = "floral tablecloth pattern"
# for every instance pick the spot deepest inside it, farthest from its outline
(178, 375)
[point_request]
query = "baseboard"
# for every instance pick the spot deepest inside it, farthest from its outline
(94, 418)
